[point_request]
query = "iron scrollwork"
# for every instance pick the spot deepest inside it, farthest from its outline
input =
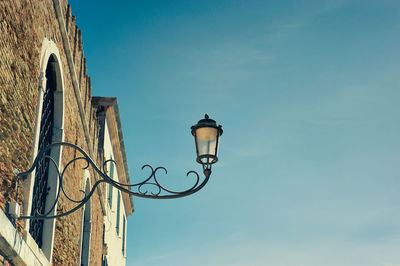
(161, 191)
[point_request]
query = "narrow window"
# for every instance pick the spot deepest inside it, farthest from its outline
(86, 230)
(104, 261)
(104, 257)
(118, 209)
(110, 187)
(123, 235)
(40, 189)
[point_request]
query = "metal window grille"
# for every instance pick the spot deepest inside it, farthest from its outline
(40, 189)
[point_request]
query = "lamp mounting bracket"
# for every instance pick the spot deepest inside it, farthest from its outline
(138, 189)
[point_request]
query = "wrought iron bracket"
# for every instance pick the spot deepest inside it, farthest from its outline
(162, 192)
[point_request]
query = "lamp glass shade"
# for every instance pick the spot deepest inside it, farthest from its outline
(207, 144)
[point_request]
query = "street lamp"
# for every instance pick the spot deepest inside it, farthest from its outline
(206, 135)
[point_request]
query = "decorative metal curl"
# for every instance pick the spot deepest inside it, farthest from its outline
(161, 191)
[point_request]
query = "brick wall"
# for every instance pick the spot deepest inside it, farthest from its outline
(23, 26)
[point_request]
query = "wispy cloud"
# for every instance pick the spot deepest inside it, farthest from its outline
(226, 66)
(292, 25)
(234, 55)
(260, 253)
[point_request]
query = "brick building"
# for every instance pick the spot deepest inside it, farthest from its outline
(46, 97)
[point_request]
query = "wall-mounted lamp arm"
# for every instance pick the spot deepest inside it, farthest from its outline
(152, 181)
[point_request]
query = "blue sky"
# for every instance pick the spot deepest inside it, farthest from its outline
(308, 96)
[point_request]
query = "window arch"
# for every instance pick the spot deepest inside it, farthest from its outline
(41, 190)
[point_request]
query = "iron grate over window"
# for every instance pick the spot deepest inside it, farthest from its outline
(40, 189)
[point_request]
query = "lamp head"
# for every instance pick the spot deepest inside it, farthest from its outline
(206, 137)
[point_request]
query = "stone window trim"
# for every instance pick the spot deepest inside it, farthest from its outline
(49, 49)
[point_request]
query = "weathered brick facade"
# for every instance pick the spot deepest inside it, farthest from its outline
(24, 24)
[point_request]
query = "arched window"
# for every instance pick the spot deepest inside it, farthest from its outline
(40, 188)
(45, 138)
(86, 226)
